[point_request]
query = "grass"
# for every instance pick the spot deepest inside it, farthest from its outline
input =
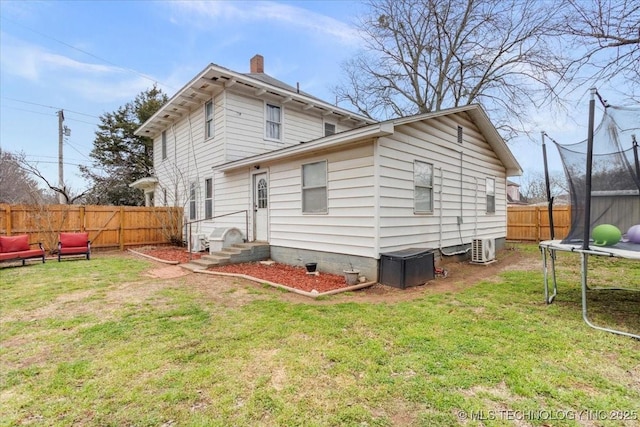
(98, 343)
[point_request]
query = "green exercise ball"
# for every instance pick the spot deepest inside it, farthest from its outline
(606, 235)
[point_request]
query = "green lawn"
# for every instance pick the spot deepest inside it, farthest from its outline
(99, 343)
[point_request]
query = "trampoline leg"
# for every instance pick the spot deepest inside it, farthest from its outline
(584, 262)
(552, 254)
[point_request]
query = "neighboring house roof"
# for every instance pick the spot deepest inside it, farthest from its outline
(475, 111)
(511, 183)
(215, 78)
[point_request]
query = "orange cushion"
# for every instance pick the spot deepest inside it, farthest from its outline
(74, 239)
(14, 243)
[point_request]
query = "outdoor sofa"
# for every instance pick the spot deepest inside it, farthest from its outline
(18, 248)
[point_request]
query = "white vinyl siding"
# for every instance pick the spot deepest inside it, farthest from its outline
(459, 172)
(348, 226)
(273, 122)
(423, 187)
(314, 187)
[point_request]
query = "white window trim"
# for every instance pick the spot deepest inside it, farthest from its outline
(415, 185)
(266, 106)
(193, 205)
(208, 199)
(163, 145)
(206, 120)
(486, 181)
(325, 186)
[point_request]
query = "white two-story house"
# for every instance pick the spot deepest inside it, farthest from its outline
(318, 182)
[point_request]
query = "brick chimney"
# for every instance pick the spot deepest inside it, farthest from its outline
(257, 64)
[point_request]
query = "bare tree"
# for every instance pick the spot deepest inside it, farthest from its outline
(426, 55)
(534, 189)
(67, 192)
(605, 36)
(16, 184)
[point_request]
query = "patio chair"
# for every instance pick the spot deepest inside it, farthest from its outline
(74, 244)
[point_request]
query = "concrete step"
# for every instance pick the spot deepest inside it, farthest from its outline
(237, 253)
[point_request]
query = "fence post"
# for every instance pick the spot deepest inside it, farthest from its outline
(8, 213)
(83, 226)
(121, 236)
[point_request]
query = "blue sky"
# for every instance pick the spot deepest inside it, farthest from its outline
(91, 57)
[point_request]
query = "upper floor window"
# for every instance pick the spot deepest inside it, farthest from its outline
(314, 187)
(208, 198)
(423, 187)
(329, 129)
(208, 120)
(273, 129)
(164, 144)
(491, 195)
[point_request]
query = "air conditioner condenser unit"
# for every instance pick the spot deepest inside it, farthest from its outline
(483, 251)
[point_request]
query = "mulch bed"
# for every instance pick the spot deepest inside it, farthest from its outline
(283, 274)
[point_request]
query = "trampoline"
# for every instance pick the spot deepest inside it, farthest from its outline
(603, 173)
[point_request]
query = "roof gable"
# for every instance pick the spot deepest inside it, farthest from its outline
(214, 79)
(475, 111)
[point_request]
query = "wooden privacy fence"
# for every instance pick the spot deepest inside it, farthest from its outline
(109, 227)
(531, 223)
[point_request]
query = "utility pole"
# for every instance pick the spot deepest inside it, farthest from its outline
(61, 198)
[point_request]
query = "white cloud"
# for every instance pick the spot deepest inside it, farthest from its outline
(201, 13)
(34, 63)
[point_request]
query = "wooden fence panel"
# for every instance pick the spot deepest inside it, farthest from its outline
(108, 226)
(531, 223)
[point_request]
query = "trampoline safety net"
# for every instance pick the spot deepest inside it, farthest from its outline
(615, 173)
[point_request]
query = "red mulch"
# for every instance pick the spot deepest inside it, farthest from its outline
(294, 277)
(169, 253)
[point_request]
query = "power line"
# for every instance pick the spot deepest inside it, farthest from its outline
(48, 114)
(49, 106)
(155, 81)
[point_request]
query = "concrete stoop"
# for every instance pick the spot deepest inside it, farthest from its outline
(234, 254)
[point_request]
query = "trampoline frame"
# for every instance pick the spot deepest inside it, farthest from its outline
(549, 249)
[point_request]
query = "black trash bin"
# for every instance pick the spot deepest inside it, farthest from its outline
(408, 267)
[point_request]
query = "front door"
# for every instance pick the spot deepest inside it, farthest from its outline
(260, 207)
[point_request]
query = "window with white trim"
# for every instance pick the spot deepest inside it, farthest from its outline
(491, 195)
(192, 201)
(423, 187)
(273, 124)
(208, 120)
(314, 187)
(208, 198)
(164, 144)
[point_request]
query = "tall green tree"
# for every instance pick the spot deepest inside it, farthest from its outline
(119, 156)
